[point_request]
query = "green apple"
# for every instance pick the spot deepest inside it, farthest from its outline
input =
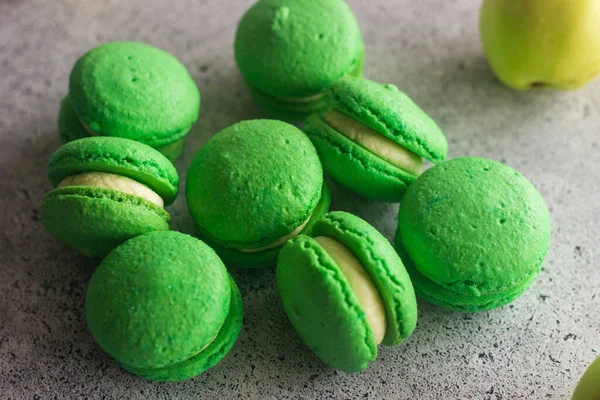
(542, 43)
(588, 387)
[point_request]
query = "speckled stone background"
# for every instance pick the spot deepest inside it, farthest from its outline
(535, 348)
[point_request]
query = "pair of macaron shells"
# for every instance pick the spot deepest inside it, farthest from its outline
(130, 90)
(289, 52)
(473, 234)
(164, 306)
(252, 187)
(108, 190)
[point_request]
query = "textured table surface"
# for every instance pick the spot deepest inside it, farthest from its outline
(535, 348)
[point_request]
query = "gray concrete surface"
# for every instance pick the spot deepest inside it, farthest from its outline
(535, 348)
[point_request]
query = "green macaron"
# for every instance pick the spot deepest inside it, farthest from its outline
(163, 305)
(473, 234)
(108, 190)
(130, 90)
(253, 186)
(289, 51)
(345, 290)
(374, 138)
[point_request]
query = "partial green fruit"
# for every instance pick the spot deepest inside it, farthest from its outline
(588, 387)
(542, 43)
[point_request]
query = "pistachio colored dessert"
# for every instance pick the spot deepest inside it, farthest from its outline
(473, 234)
(345, 291)
(108, 190)
(163, 305)
(289, 51)
(130, 90)
(373, 138)
(252, 187)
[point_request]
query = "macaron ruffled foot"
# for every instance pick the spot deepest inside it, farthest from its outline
(473, 234)
(130, 90)
(345, 291)
(374, 138)
(164, 306)
(108, 190)
(252, 187)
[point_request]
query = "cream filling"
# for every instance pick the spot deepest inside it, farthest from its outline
(115, 182)
(279, 241)
(375, 142)
(302, 100)
(360, 282)
(202, 349)
(88, 129)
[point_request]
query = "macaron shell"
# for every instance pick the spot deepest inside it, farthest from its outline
(210, 356)
(268, 257)
(118, 156)
(355, 167)
(439, 295)
(392, 113)
(69, 128)
(135, 91)
(474, 226)
(158, 300)
(253, 183)
(94, 221)
(295, 48)
(322, 307)
(379, 259)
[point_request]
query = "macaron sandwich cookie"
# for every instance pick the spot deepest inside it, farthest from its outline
(289, 51)
(473, 234)
(108, 190)
(374, 138)
(130, 90)
(252, 187)
(345, 291)
(163, 305)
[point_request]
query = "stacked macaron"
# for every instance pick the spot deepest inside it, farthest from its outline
(252, 187)
(472, 233)
(346, 291)
(289, 51)
(130, 90)
(108, 190)
(373, 138)
(164, 306)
